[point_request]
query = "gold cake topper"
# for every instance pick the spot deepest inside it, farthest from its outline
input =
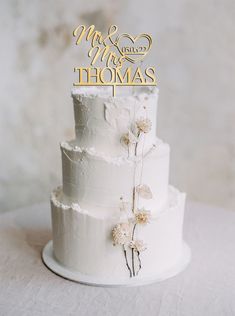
(112, 51)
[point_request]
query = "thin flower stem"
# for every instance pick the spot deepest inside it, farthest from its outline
(140, 265)
(133, 261)
(142, 154)
(132, 251)
(133, 232)
(142, 166)
(133, 198)
(127, 264)
(134, 206)
(134, 186)
(136, 144)
(142, 160)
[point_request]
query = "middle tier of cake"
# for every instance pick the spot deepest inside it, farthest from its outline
(99, 183)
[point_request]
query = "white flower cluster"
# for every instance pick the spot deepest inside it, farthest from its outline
(142, 125)
(137, 245)
(142, 217)
(144, 191)
(121, 234)
(129, 139)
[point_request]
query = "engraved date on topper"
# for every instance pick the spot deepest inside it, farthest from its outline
(114, 50)
(134, 53)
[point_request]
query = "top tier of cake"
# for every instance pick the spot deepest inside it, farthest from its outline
(100, 119)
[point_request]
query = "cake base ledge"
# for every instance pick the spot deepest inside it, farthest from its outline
(52, 264)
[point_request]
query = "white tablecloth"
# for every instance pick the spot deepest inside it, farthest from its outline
(206, 288)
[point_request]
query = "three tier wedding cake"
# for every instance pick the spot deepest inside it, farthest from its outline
(116, 220)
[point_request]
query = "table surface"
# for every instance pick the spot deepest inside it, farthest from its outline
(205, 288)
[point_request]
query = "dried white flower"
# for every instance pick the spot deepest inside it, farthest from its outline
(142, 216)
(128, 139)
(144, 125)
(138, 245)
(121, 233)
(144, 191)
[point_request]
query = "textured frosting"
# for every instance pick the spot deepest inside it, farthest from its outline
(100, 119)
(99, 174)
(98, 181)
(82, 241)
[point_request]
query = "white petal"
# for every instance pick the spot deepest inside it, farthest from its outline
(144, 191)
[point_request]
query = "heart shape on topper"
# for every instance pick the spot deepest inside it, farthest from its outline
(139, 53)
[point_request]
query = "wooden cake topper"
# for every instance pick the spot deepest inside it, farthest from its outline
(109, 55)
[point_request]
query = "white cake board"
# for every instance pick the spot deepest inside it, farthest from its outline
(72, 275)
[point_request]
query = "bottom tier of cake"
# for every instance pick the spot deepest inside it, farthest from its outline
(82, 243)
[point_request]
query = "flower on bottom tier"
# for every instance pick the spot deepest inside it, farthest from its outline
(142, 216)
(128, 139)
(144, 125)
(121, 233)
(138, 245)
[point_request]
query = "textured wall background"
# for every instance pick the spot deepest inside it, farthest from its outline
(194, 53)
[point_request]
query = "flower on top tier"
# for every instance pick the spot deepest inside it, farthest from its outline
(138, 245)
(128, 139)
(144, 125)
(142, 216)
(121, 234)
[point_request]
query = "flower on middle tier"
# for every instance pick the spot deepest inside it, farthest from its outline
(144, 191)
(142, 216)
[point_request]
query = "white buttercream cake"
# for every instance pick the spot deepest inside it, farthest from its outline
(115, 216)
